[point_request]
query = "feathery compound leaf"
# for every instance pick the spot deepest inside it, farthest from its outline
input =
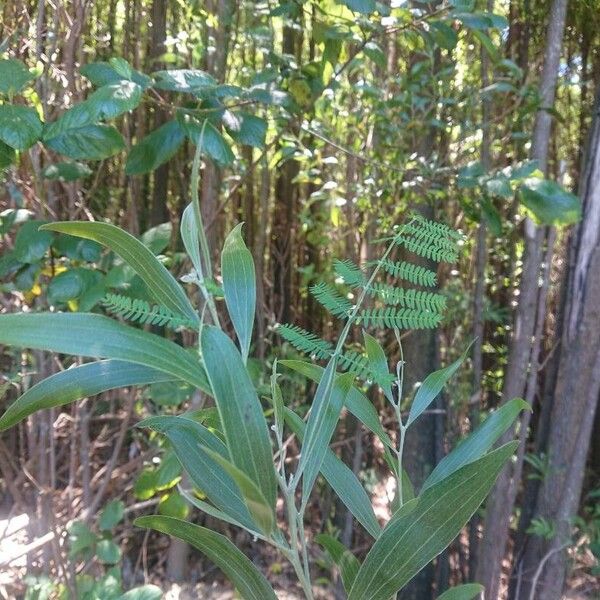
(305, 341)
(407, 297)
(436, 227)
(409, 272)
(331, 299)
(349, 272)
(428, 249)
(136, 310)
(403, 318)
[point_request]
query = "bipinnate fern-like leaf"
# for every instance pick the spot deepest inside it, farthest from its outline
(407, 297)
(349, 272)
(305, 341)
(331, 299)
(400, 318)
(140, 311)
(415, 274)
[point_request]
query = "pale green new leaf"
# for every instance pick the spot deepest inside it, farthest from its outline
(79, 382)
(342, 480)
(259, 508)
(161, 284)
(248, 580)
(468, 591)
(411, 541)
(356, 402)
(196, 448)
(346, 562)
(244, 423)
(478, 442)
(190, 238)
(239, 287)
(431, 387)
(96, 336)
(379, 365)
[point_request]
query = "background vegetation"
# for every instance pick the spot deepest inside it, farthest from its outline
(322, 123)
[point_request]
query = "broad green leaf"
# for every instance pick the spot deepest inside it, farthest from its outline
(184, 80)
(432, 386)
(213, 143)
(364, 7)
(31, 244)
(7, 155)
(467, 591)
(346, 562)
(247, 129)
(66, 171)
(322, 421)
(76, 383)
(356, 402)
(86, 334)
(108, 102)
(412, 540)
(379, 365)
(111, 515)
(103, 73)
(20, 126)
(239, 287)
(155, 149)
(172, 504)
(247, 579)
(190, 238)
(479, 442)
(161, 284)
(108, 552)
(91, 142)
(242, 417)
(342, 480)
(157, 238)
(489, 46)
(144, 592)
(549, 202)
(443, 34)
(190, 441)
(14, 75)
(259, 508)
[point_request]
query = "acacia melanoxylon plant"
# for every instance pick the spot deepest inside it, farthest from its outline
(241, 466)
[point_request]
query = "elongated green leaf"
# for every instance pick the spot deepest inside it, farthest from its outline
(161, 284)
(239, 286)
(379, 365)
(90, 142)
(209, 509)
(14, 74)
(79, 382)
(155, 149)
(411, 541)
(85, 334)
(248, 580)
(247, 129)
(192, 443)
(346, 562)
(478, 442)
(244, 423)
(190, 238)
(259, 508)
(20, 126)
(213, 143)
(356, 402)
(322, 421)
(431, 387)
(468, 591)
(342, 480)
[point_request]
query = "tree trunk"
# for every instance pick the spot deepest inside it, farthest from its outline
(499, 509)
(576, 393)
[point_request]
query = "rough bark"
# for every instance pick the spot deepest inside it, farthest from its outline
(499, 509)
(577, 391)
